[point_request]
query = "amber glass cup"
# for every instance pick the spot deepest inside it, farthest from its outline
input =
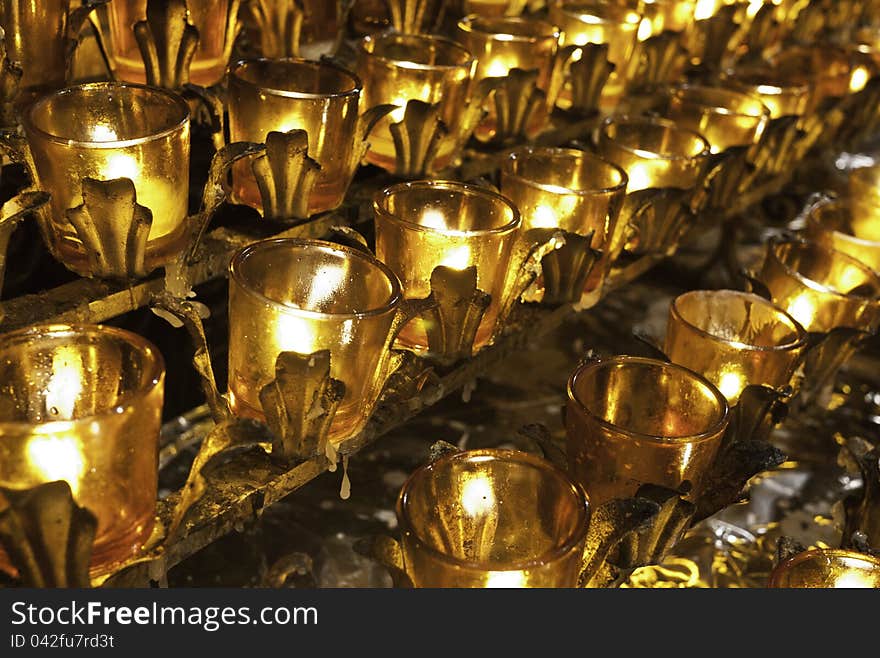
(396, 68)
(83, 404)
(107, 130)
(784, 93)
(733, 339)
(502, 44)
(36, 38)
(833, 71)
(583, 22)
(424, 224)
(632, 421)
(492, 518)
(267, 95)
(833, 224)
(864, 199)
(654, 152)
(567, 189)
(216, 29)
(819, 287)
(726, 118)
(826, 569)
(305, 296)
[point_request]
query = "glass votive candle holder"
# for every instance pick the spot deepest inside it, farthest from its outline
(503, 44)
(213, 20)
(819, 287)
(734, 339)
(726, 118)
(36, 37)
(583, 22)
(655, 153)
(104, 131)
(833, 224)
(784, 95)
(833, 71)
(280, 95)
(631, 421)
(424, 224)
(397, 68)
(827, 569)
(492, 518)
(83, 404)
(863, 192)
(305, 296)
(566, 189)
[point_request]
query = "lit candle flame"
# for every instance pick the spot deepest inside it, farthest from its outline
(102, 133)
(65, 384)
(801, 309)
(505, 579)
(294, 334)
(57, 458)
(458, 258)
(120, 165)
(705, 9)
(433, 219)
(853, 581)
(731, 383)
(477, 496)
(544, 217)
(497, 69)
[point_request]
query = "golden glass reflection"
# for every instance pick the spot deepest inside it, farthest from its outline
(210, 17)
(783, 94)
(502, 44)
(726, 118)
(84, 404)
(653, 152)
(834, 225)
(632, 421)
(827, 568)
(864, 198)
(107, 130)
(424, 224)
(833, 71)
(567, 189)
(492, 518)
(819, 287)
(733, 339)
(267, 95)
(583, 22)
(306, 296)
(396, 68)
(36, 38)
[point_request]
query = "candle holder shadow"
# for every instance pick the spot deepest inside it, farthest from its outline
(47, 536)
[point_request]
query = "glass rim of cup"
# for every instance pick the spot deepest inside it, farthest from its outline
(380, 208)
(239, 64)
(766, 80)
(553, 554)
(237, 262)
(815, 219)
(717, 108)
(611, 14)
(775, 242)
(421, 38)
(507, 170)
(799, 341)
(698, 437)
(811, 554)
(153, 374)
(477, 24)
(30, 124)
(668, 124)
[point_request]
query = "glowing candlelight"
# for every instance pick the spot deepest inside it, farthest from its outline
(210, 17)
(846, 227)
(280, 95)
(424, 224)
(83, 404)
(396, 68)
(734, 339)
(827, 568)
(107, 131)
(306, 296)
(473, 519)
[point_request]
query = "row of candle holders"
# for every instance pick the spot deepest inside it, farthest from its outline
(314, 321)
